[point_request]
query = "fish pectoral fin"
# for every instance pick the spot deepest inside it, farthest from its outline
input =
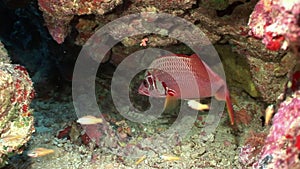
(170, 102)
(197, 105)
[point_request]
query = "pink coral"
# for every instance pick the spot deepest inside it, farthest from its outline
(276, 22)
(281, 146)
(246, 155)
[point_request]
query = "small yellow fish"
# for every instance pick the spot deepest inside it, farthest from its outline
(169, 158)
(269, 114)
(10, 138)
(88, 120)
(40, 152)
(140, 160)
(197, 105)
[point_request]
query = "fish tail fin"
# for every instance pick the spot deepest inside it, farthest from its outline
(229, 107)
(223, 94)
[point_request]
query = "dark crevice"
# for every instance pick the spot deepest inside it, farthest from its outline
(197, 22)
(229, 9)
(196, 5)
(120, 8)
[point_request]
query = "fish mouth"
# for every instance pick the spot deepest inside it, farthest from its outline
(143, 91)
(152, 93)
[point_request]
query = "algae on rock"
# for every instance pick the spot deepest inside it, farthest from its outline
(237, 67)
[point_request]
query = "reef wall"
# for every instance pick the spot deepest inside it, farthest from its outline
(16, 120)
(223, 22)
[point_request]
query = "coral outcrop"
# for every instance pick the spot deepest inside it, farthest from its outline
(223, 22)
(59, 13)
(277, 23)
(16, 120)
(282, 145)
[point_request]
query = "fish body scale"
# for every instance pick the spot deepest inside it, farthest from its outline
(185, 73)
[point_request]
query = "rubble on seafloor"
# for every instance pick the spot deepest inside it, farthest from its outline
(217, 151)
(16, 123)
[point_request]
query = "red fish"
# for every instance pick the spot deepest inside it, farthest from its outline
(167, 73)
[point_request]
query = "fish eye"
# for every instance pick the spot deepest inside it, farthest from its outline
(145, 83)
(150, 80)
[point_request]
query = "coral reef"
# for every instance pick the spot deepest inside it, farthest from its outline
(16, 93)
(223, 22)
(277, 23)
(282, 145)
(250, 65)
(270, 77)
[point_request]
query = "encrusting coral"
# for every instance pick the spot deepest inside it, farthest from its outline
(59, 13)
(277, 23)
(282, 145)
(16, 120)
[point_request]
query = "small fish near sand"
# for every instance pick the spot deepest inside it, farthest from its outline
(40, 152)
(167, 157)
(197, 105)
(10, 138)
(140, 160)
(89, 120)
(167, 73)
